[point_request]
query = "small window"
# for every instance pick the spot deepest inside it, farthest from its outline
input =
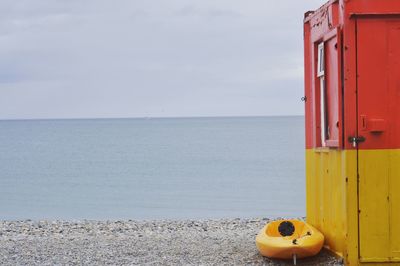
(326, 84)
(322, 85)
(321, 60)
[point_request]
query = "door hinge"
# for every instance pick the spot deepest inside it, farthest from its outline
(356, 140)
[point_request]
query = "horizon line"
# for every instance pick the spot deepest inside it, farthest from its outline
(147, 117)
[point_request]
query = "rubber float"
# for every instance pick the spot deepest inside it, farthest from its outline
(287, 239)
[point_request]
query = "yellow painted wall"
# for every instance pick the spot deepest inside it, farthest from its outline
(379, 203)
(326, 190)
(333, 200)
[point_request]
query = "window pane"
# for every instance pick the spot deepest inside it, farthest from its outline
(321, 60)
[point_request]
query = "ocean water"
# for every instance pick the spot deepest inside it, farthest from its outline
(175, 168)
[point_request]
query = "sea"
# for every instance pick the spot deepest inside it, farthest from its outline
(152, 168)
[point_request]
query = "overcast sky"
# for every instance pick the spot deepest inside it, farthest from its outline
(151, 58)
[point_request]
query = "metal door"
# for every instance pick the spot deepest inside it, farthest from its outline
(378, 119)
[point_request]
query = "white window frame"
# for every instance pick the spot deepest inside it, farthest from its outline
(321, 76)
(321, 60)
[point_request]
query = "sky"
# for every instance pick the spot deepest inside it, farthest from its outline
(151, 58)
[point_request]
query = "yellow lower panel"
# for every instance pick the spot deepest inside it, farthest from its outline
(326, 195)
(334, 195)
(379, 201)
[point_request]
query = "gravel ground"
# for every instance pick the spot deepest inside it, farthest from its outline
(208, 242)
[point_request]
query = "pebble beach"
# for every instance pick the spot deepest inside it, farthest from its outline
(207, 242)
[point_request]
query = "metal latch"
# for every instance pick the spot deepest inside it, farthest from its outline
(356, 140)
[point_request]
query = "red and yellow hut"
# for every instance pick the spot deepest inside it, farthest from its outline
(352, 107)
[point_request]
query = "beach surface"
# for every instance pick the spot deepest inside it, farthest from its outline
(208, 242)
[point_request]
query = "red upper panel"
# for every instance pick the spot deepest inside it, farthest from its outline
(363, 96)
(321, 26)
(378, 42)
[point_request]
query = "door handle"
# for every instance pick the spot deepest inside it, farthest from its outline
(356, 140)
